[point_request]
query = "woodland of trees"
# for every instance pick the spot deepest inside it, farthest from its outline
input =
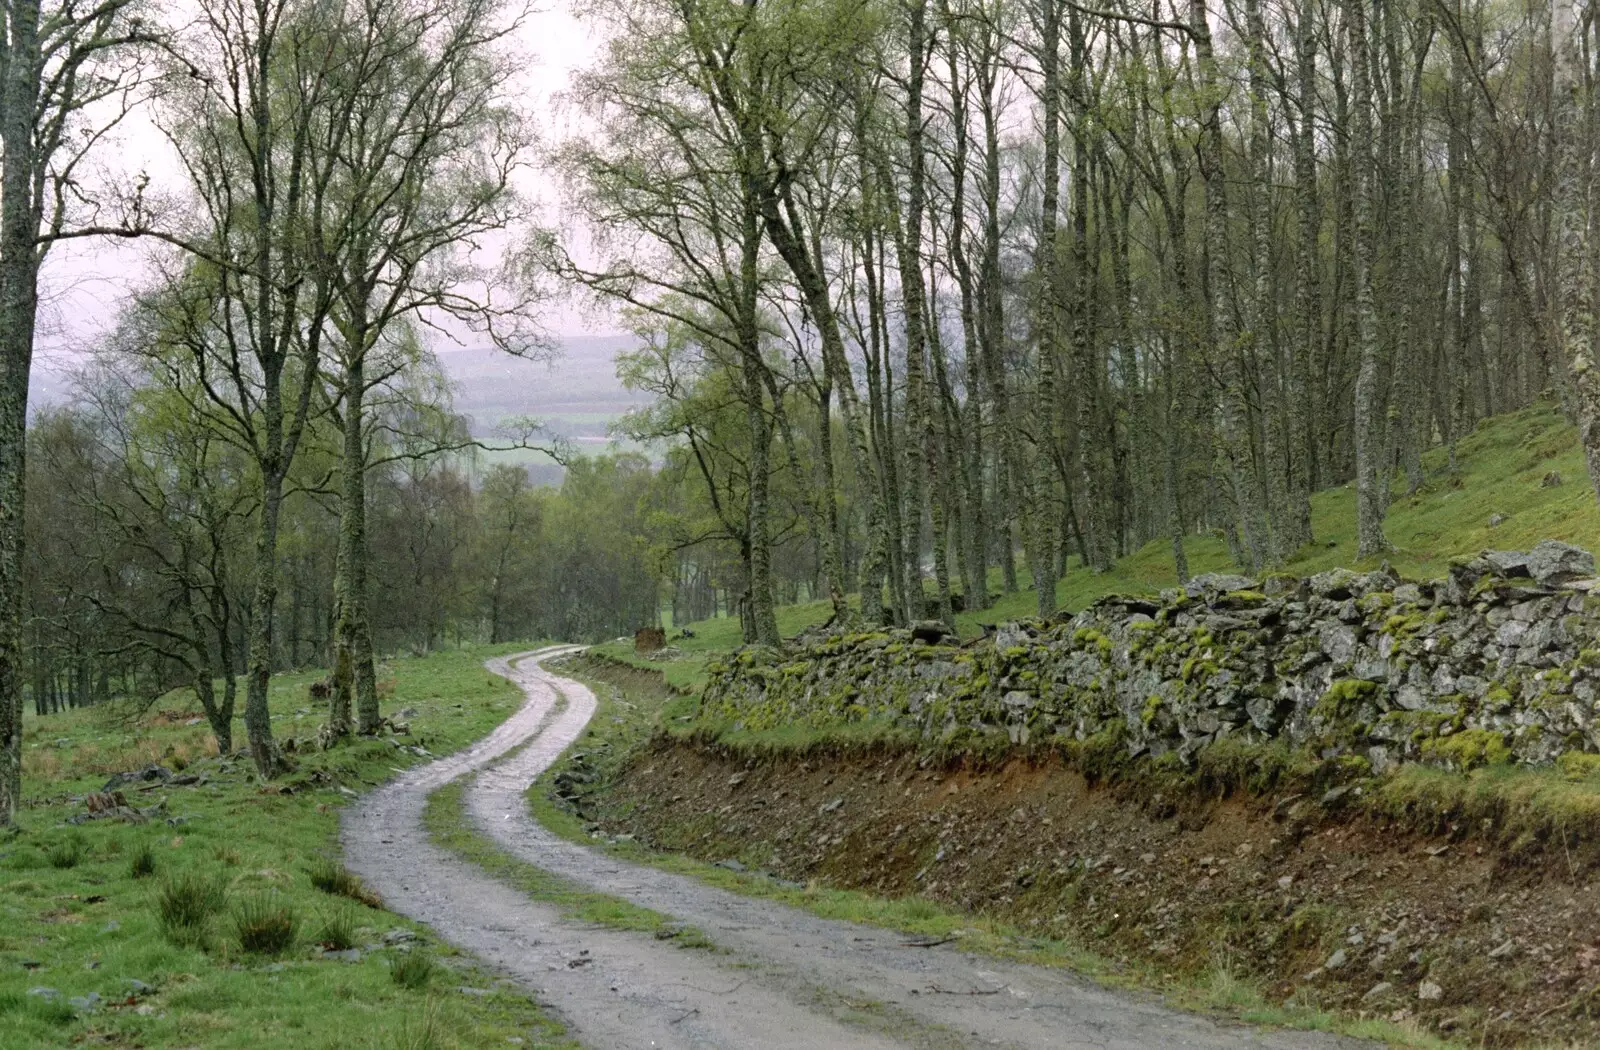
(988, 285)
(928, 293)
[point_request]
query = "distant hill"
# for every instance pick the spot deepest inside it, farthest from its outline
(576, 394)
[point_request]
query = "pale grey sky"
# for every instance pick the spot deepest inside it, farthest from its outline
(85, 282)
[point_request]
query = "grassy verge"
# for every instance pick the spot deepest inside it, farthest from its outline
(86, 958)
(626, 717)
(448, 825)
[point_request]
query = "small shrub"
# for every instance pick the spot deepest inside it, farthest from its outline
(66, 853)
(917, 909)
(228, 856)
(143, 862)
(25, 859)
(421, 1033)
(1579, 765)
(330, 876)
(51, 1011)
(412, 970)
(266, 924)
(338, 930)
(1467, 750)
(185, 904)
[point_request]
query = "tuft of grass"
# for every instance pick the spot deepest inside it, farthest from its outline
(142, 864)
(338, 930)
(329, 876)
(421, 1033)
(185, 904)
(413, 970)
(266, 924)
(53, 1012)
(67, 853)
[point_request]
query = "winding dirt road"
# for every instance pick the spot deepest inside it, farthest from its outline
(782, 978)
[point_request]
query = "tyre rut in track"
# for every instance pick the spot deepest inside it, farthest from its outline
(782, 977)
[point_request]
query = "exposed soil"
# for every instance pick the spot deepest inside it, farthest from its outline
(780, 977)
(1489, 946)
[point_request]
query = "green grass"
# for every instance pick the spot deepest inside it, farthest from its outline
(449, 826)
(1501, 466)
(95, 926)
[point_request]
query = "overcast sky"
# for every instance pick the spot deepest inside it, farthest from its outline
(85, 282)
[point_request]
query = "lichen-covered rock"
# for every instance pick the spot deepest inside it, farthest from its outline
(1499, 661)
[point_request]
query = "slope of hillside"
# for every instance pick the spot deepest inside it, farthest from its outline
(576, 393)
(1497, 498)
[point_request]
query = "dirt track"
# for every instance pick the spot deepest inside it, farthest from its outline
(781, 978)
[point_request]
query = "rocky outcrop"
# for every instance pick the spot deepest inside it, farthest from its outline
(1498, 661)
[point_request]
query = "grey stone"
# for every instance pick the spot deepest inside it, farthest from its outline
(1410, 698)
(149, 774)
(1338, 642)
(49, 995)
(1378, 990)
(87, 1004)
(1337, 584)
(829, 807)
(1336, 960)
(1219, 583)
(1552, 562)
(1510, 633)
(1509, 564)
(1429, 991)
(1017, 700)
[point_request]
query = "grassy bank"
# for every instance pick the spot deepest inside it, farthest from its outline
(1501, 471)
(241, 959)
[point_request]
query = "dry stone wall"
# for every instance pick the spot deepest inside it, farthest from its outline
(1500, 661)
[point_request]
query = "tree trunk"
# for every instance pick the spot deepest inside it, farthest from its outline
(1372, 474)
(1575, 200)
(19, 287)
(1233, 438)
(1041, 554)
(763, 616)
(257, 716)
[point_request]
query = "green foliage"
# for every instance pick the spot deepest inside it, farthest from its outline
(1468, 749)
(1344, 698)
(337, 931)
(1579, 765)
(265, 924)
(185, 903)
(65, 853)
(331, 877)
(142, 864)
(413, 970)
